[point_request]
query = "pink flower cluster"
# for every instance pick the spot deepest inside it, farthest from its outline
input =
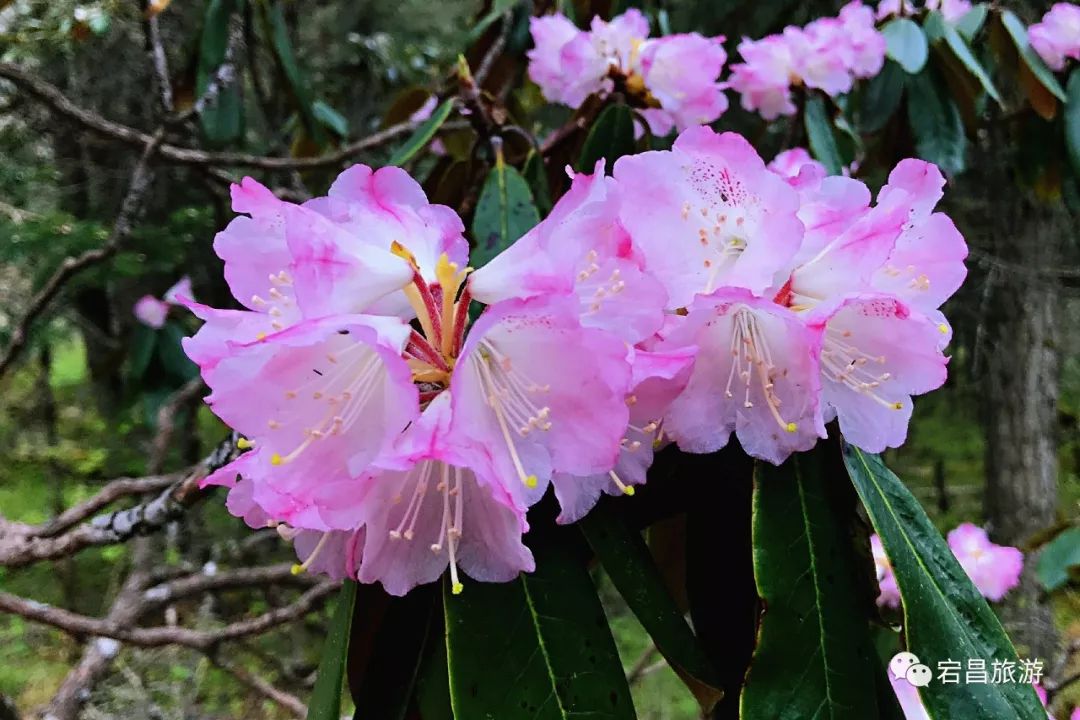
(828, 55)
(993, 569)
(152, 311)
(693, 295)
(1057, 36)
(675, 76)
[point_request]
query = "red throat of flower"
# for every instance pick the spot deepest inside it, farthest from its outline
(442, 309)
(785, 296)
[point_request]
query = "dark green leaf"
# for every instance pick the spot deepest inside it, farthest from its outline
(504, 212)
(1028, 56)
(944, 615)
(331, 118)
(939, 31)
(972, 21)
(814, 656)
(820, 133)
(935, 121)
(326, 697)
(1058, 558)
(433, 682)
(298, 83)
(222, 120)
(906, 43)
(630, 565)
(143, 340)
(172, 355)
(387, 644)
(1072, 120)
(880, 97)
(538, 647)
(535, 174)
(611, 137)
(422, 135)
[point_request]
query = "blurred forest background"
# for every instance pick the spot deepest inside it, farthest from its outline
(88, 394)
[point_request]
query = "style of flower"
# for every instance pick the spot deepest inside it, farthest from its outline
(1057, 36)
(365, 432)
(673, 78)
(828, 54)
(152, 312)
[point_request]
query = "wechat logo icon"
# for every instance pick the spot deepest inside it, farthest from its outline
(906, 666)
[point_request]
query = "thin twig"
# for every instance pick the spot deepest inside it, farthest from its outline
(114, 490)
(54, 98)
(287, 700)
(199, 583)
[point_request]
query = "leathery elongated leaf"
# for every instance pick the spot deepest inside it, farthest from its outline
(222, 120)
(820, 133)
(814, 656)
(628, 562)
(940, 31)
(505, 211)
(538, 647)
(945, 617)
(1028, 56)
(611, 137)
(1072, 120)
(905, 42)
(326, 697)
(422, 135)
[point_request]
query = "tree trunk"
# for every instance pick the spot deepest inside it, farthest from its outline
(1020, 400)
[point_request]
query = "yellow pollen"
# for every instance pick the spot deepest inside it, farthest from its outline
(943, 328)
(531, 481)
(261, 336)
(791, 427)
(275, 459)
(456, 588)
(296, 569)
(244, 444)
(897, 406)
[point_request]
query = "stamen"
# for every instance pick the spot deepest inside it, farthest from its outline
(297, 569)
(623, 487)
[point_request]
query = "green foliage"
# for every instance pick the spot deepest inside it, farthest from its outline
(611, 137)
(629, 565)
(222, 120)
(944, 614)
(906, 43)
(504, 212)
(422, 135)
(819, 131)
(936, 123)
(1072, 120)
(814, 657)
(326, 696)
(1059, 559)
(538, 647)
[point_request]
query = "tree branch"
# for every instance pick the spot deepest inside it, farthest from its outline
(123, 630)
(55, 99)
(225, 580)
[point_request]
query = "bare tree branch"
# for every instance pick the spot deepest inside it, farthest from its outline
(19, 545)
(199, 583)
(123, 630)
(55, 99)
(113, 491)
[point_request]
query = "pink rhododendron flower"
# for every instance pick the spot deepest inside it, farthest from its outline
(827, 54)
(763, 79)
(1057, 36)
(152, 312)
(789, 163)
(888, 592)
(995, 569)
(674, 78)
(391, 452)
